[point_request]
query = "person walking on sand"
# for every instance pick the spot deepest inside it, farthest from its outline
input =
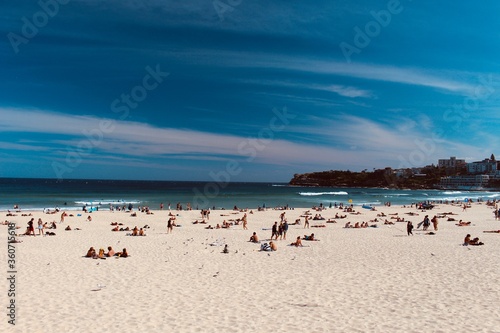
(306, 223)
(40, 227)
(282, 216)
(409, 228)
(244, 218)
(62, 217)
(30, 230)
(170, 226)
(285, 229)
(425, 222)
(274, 231)
(435, 222)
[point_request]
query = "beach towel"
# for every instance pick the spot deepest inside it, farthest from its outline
(265, 247)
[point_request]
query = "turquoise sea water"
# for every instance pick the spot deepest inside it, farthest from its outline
(37, 194)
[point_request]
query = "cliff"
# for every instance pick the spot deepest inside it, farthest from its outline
(377, 178)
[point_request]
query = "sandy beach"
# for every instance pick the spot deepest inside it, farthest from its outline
(351, 280)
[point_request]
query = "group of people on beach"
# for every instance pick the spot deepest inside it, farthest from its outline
(474, 241)
(358, 225)
(279, 230)
(41, 227)
(91, 253)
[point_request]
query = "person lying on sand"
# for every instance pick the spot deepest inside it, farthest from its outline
(468, 241)
(15, 241)
(476, 241)
(462, 224)
(297, 243)
(123, 254)
(492, 231)
(310, 238)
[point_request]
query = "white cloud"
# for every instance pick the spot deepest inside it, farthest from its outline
(437, 79)
(349, 142)
(342, 90)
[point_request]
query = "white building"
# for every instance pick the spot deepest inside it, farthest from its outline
(465, 182)
(484, 166)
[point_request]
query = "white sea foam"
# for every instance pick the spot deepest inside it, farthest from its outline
(107, 202)
(323, 193)
(396, 195)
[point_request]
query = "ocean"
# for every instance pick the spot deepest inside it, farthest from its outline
(39, 194)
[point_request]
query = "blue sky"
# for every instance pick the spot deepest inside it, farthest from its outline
(244, 90)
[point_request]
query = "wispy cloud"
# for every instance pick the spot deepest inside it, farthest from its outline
(345, 91)
(24, 147)
(348, 142)
(455, 82)
(410, 76)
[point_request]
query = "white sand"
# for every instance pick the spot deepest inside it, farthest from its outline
(352, 280)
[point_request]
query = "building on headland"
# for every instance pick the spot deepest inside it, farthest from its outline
(480, 174)
(482, 167)
(465, 182)
(451, 162)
